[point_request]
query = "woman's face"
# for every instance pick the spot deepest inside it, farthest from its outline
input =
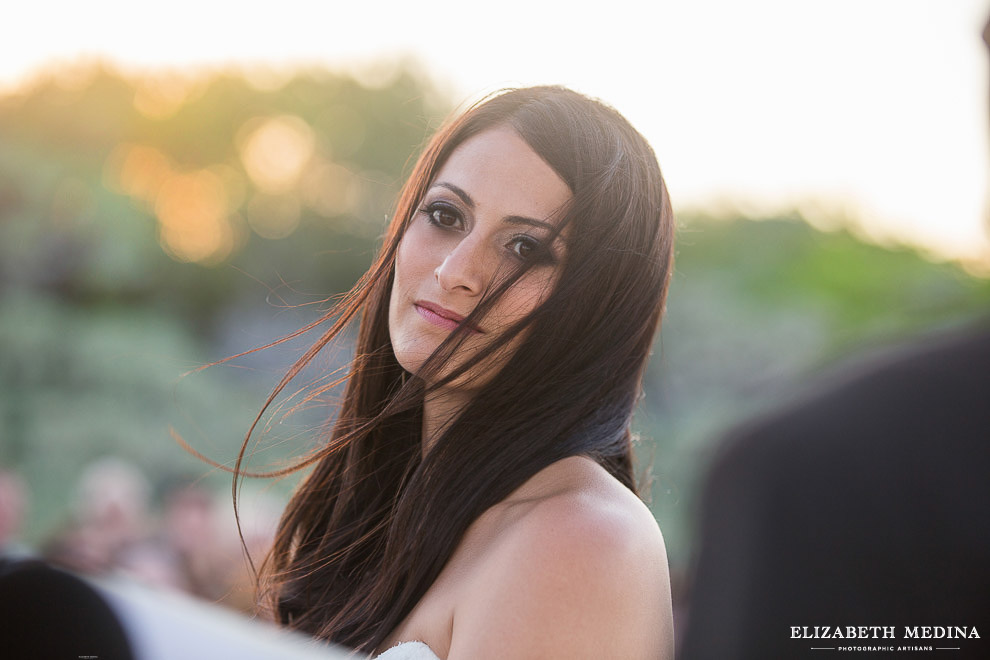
(490, 209)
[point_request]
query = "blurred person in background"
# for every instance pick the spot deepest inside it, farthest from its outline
(187, 550)
(856, 517)
(476, 495)
(192, 533)
(110, 515)
(191, 548)
(197, 549)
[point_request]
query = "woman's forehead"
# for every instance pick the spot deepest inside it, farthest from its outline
(500, 172)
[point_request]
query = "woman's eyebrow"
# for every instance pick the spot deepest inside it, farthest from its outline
(511, 219)
(466, 198)
(522, 220)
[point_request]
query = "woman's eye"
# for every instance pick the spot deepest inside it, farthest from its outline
(442, 215)
(529, 249)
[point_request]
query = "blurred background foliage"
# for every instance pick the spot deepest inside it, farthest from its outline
(153, 224)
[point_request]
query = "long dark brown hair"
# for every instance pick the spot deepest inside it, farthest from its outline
(370, 528)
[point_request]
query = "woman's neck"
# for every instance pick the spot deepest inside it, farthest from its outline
(439, 410)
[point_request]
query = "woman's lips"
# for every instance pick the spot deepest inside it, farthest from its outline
(441, 316)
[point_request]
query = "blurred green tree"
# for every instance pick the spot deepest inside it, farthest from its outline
(150, 225)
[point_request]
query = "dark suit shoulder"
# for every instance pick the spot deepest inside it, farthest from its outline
(865, 500)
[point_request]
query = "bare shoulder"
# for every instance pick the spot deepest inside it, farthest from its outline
(579, 570)
(587, 515)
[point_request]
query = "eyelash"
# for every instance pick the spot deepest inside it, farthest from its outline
(431, 211)
(540, 253)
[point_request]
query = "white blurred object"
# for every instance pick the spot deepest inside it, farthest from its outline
(164, 626)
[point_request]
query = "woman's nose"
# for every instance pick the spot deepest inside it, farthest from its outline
(465, 268)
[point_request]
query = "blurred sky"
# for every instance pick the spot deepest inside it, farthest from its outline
(872, 108)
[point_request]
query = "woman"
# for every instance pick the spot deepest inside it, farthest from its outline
(476, 497)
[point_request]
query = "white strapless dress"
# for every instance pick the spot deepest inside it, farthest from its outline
(408, 651)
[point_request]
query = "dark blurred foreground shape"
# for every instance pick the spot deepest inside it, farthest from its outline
(866, 505)
(48, 613)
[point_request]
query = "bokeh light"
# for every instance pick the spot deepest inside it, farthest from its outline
(275, 151)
